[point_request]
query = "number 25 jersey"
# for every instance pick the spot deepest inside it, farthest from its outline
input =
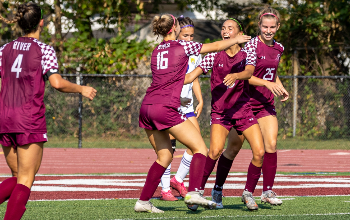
(268, 58)
(24, 63)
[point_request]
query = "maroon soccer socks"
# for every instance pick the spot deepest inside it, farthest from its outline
(209, 167)
(252, 177)
(196, 172)
(16, 205)
(152, 181)
(269, 169)
(224, 166)
(6, 188)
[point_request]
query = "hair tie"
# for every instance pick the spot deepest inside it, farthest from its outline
(237, 23)
(181, 16)
(173, 24)
(269, 14)
(187, 26)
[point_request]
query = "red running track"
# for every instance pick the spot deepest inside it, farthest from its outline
(85, 161)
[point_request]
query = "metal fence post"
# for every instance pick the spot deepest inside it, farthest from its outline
(295, 91)
(80, 82)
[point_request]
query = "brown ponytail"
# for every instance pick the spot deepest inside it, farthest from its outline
(161, 25)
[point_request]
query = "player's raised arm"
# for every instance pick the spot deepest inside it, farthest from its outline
(224, 44)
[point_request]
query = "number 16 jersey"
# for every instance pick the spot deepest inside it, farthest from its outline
(23, 65)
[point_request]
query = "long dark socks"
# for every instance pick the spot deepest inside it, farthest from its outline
(252, 177)
(6, 188)
(16, 205)
(209, 167)
(152, 181)
(224, 166)
(196, 172)
(269, 169)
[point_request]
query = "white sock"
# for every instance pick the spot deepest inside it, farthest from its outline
(184, 167)
(165, 180)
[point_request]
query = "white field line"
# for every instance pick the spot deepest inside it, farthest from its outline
(246, 216)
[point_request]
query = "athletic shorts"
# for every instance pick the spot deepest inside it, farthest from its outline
(264, 111)
(160, 117)
(20, 139)
(239, 124)
(191, 114)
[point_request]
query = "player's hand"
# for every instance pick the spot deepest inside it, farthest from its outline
(230, 79)
(285, 95)
(199, 109)
(242, 39)
(185, 101)
(276, 89)
(88, 92)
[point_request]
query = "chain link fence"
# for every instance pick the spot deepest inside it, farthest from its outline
(321, 110)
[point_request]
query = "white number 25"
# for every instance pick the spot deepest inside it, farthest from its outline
(269, 74)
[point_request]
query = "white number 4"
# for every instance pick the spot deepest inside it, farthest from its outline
(162, 62)
(16, 66)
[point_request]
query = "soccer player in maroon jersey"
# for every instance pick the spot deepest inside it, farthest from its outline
(25, 65)
(230, 104)
(186, 97)
(160, 115)
(264, 85)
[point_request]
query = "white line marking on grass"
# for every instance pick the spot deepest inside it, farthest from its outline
(340, 154)
(74, 189)
(282, 151)
(247, 216)
(288, 199)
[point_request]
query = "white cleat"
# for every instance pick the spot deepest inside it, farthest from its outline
(216, 196)
(195, 207)
(195, 198)
(146, 206)
(249, 201)
(269, 196)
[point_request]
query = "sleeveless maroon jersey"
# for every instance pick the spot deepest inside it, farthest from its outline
(24, 62)
(230, 101)
(266, 66)
(169, 63)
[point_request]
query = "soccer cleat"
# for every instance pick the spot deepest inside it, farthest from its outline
(217, 198)
(195, 207)
(180, 187)
(195, 198)
(167, 196)
(249, 201)
(269, 196)
(146, 206)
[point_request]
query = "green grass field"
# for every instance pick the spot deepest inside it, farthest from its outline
(340, 144)
(292, 208)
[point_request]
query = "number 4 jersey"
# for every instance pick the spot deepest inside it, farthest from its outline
(25, 63)
(268, 58)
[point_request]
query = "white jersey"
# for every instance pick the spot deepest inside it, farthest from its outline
(186, 91)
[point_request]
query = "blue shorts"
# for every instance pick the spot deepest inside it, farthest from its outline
(191, 114)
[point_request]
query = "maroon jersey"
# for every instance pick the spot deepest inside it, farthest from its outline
(169, 65)
(268, 58)
(23, 64)
(231, 101)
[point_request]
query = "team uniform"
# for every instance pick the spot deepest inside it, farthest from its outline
(25, 65)
(186, 91)
(161, 106)
(262, 99)
(230, 105)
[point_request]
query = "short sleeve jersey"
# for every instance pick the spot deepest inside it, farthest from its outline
(24, 62)
(268, 58)
(169, 63)
(231, 101)
(186, 91)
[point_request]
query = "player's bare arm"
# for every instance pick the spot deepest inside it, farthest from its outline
(285, 93)
(231, 78)
(63, 85)
(190, 77)
(276, 89)
(224, 44)
(198, 93)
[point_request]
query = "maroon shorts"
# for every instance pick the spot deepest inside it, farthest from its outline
(160, 117)
(20, 139)
(264, 111)
(239, 124)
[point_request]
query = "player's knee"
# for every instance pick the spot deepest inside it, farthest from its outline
(271, 146)
(215, 153)
(259, 155)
